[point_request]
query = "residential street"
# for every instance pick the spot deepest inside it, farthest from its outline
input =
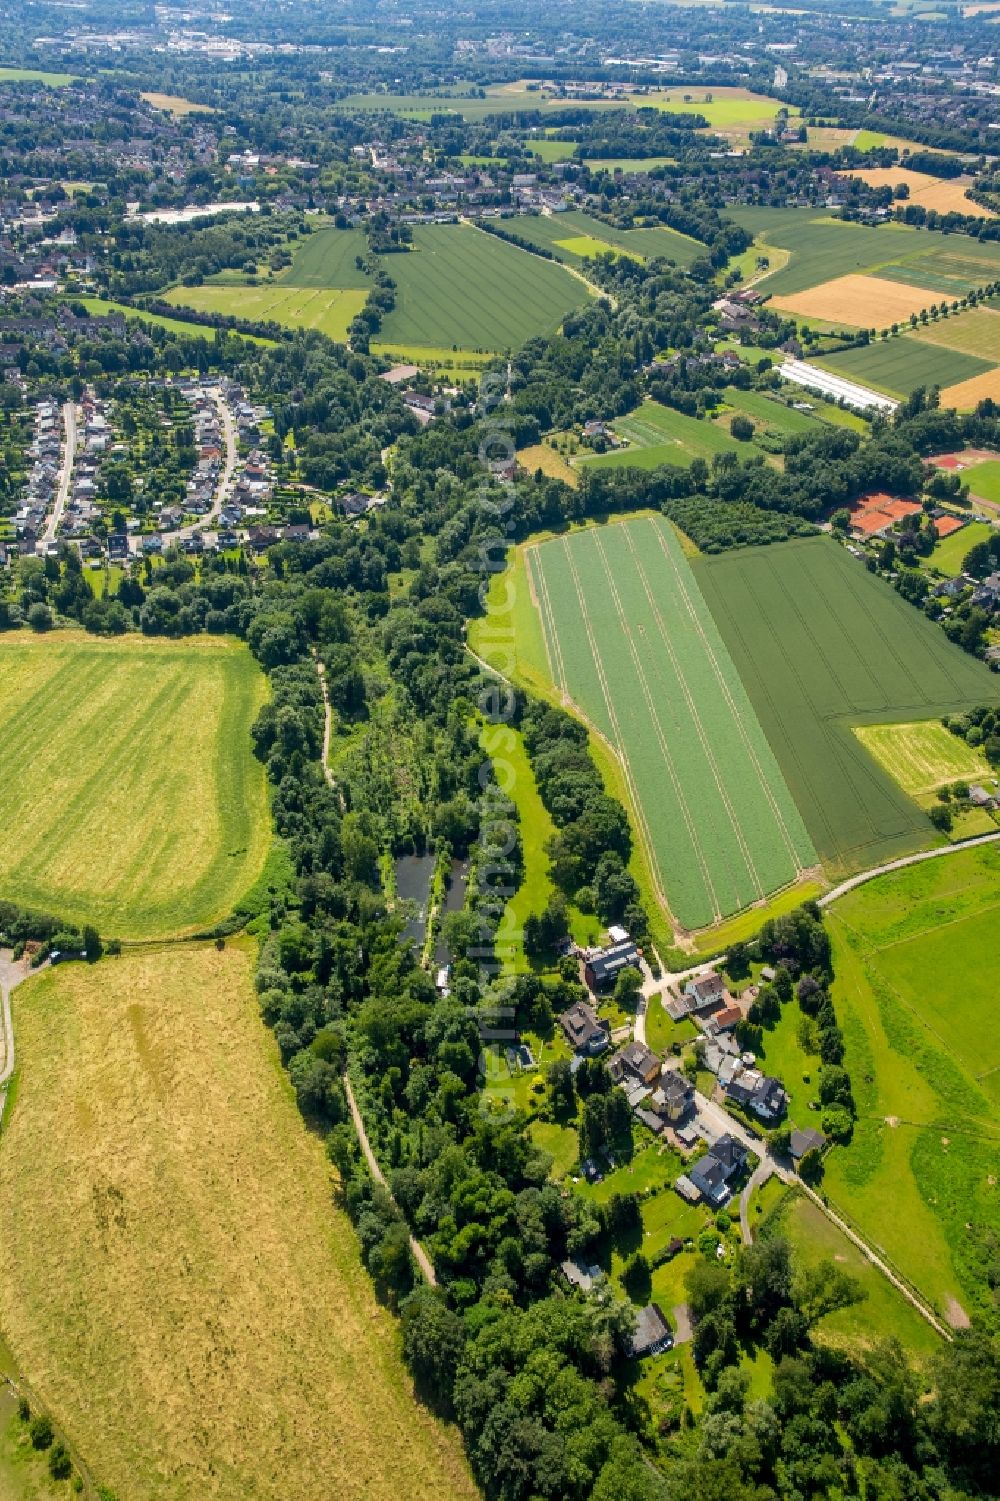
(223, 489)
(65, 476)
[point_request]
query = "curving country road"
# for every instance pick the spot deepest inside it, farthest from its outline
(901, 863)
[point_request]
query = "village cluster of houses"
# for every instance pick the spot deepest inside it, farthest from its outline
(45, 453)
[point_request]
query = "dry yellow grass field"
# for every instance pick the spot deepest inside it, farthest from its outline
(945, 194)
(175, 1281)
(969, 393)
(549, 461)
(174, 104)
(862, 301)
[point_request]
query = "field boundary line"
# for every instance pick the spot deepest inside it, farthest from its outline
(727, 694)
(538, 591)
(693, 711)
(863, 877)
(657, 727)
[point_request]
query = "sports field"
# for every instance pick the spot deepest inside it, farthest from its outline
(328, 258)
(821, 645)
(462, 286)
(659, 435)
(984, 480)
(898, 365)
(923, 756)
(573, 235)
(175, 1280)
(140, 805)
(917, 971)
(328, 310)
(630, 642)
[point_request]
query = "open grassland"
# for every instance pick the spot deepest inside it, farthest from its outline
(175, 1280)
(821, 646)
(549, 461)
(325, 309)
(862, 301)
(881, 1312)
(627, 163)
(101, 307)
(901, 364)
(328, 258)
(631, 645)
(174, 104)
(659, 435)
(976, 332)
(461, 364)
(462, 286)
(967, 394)
(950, 553)
(767, 413)
(140, 806)
(917, 969)
(36, 75)
(574, 235)
(946, 195)
(922, 757)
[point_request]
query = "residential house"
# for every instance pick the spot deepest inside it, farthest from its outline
(581, 1274)
(712, 1173)
(640, 1061)
(603, 966)
(806, 1141)
(652, 1332)
(673, 1096)
(759, 1093)
(584, 1029)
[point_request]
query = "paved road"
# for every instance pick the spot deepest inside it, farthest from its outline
(224, 488)
(420, 1256)
(65, 475)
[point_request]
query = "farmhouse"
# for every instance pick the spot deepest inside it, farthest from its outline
(603, 966)
(584, 1030)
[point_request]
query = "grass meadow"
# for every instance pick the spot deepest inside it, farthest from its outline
(822, 646)
(899, 365)
(659, 435)
(462, 286)
(976, 332)
(767, 414)
(189, 1304)
(324, 308)
(950, 553)
(328, 258)
(916, 969)
(100, 307)
(573, 235)
(141, 807)
(924, 756)
(630, 643)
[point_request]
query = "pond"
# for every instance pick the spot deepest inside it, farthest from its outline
(414, 874)
(454, 901)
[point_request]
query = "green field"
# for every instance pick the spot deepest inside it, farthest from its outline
(916, 966)
(984, 480)
(629, 640)
(627, 163)
(898, 366)
(659, 435)
(822, 248)
(100, 307)
(950, 553)
(976, 331)
(36, 75)
(328, 258)
(551, 151)
(922, 757)
(822, 645)
(882, 1313)
(325, 309)
(141, 807)
(767, 413)
(462, 286)
(573, 235)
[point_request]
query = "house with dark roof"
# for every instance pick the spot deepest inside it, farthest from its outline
(706, 990)
(806, 1141)
(652, 1332)
(640, 1061)
(602, 967)
(673, 1096)
(759, 1093)
(711, 1174)
(584, 1030)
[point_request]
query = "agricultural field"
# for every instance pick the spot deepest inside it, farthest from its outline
(573, 235)
(766, 413)
(899, 365)
(189, 1304)
(967, 394)
(916, 969)
(101, 307)
(657, 435)
(627, 163)
(860, 301)
(462, 286)
(36, 75)
(821, 646)
(328, 258)
(630, 644)
(950, 553)
(326, 309)
(141, 808)
(976, 332)
(944, 194)
(923, 756)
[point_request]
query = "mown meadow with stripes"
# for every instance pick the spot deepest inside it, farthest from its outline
(631, 644)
